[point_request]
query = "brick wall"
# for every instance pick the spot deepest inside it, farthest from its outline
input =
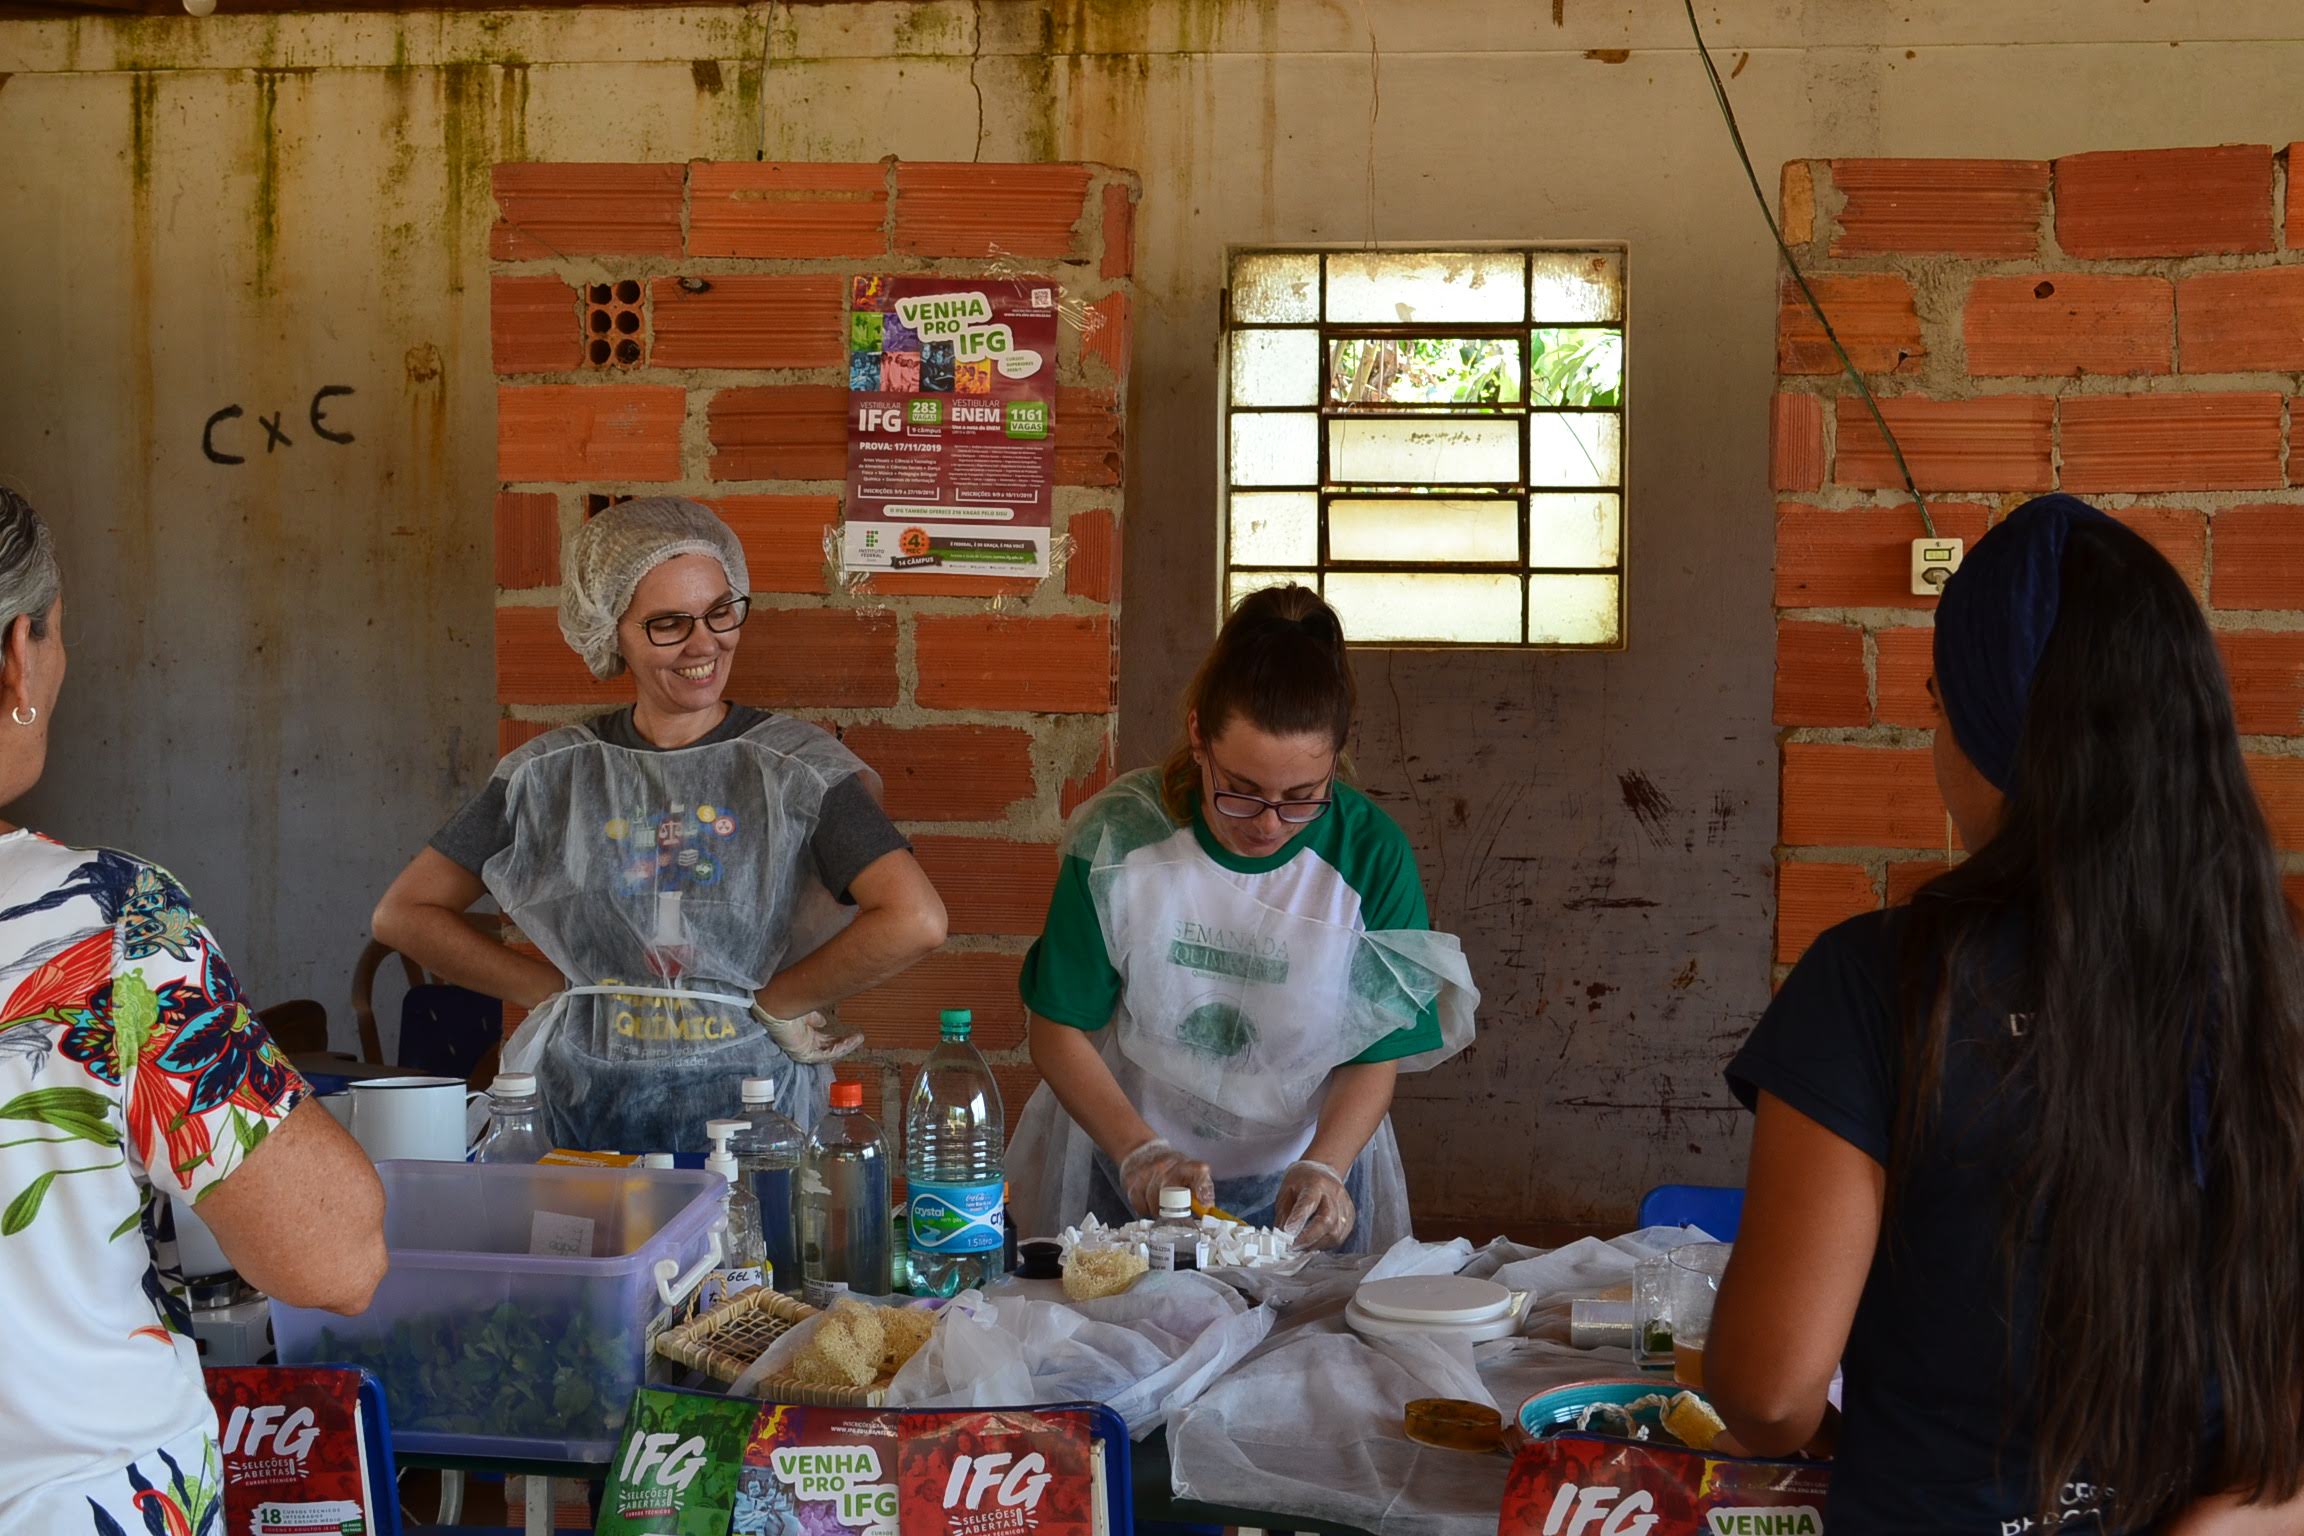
(2126, 326)
(670, 328)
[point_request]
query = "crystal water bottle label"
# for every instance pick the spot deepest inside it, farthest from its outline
(957, 1218)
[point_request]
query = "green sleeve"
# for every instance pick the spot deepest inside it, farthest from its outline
(1393, 897)
(1068, 977)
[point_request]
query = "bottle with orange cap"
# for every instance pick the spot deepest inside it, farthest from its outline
(845, 1232)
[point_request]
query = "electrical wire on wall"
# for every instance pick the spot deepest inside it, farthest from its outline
(1736, 136)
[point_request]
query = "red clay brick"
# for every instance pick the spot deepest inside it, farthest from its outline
(2266, 668)
(1094, 571)
(527, 539)
(1108, 337)
(781, 432)
(1087, 437)
(976, 211)
(514, 734)
(2065, 323)
(589, 431)
(1796, 457)
(2279, 785)
(1861, 797)
(2171, 442)
(1959, 207)
(2242, 322)
(1902, 661)
(1998, 443)
(1079, 791)
(1861, 557)
(1813, 897)
(782, 209)
(1119, 232)
(1820, 675)
(1043, 666)
(1907, 875)
(550, 211)
(2295, 204)
(900, 1013)
(1871, 312)
(748, 321)
(535, 666)
(533, 325)
(1018, 1082)
(2165, 202)
(2259, 557)
(989, 884)
(2179, 533)
(947, 772)
(816, 658)
(783, 538)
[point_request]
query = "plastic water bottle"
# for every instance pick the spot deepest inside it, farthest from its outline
(844, 1231)
(953, 1138)
(768, 1155)
(515, 1131)
(743, 1258)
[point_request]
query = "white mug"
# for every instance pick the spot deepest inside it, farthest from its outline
(412, 1117)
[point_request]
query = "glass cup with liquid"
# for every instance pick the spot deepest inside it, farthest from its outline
(1693, 1277)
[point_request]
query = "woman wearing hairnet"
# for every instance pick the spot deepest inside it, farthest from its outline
(1238, 965)
(702, 877)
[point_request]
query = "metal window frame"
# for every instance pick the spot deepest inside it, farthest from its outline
(1326, 410)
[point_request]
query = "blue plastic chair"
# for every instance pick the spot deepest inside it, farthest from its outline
(1717, 1208)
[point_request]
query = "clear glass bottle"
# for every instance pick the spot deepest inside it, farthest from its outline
(1176, 1240)
(954, 1134)
(844, 1188)
(515, 1131)
(768, 1157)
(744, 1258)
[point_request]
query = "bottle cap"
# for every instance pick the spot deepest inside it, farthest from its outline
(847, 1095)
(957, 1023)
(512, 1085)
(1176, 1203)
(658, 1160)
(759, 1090)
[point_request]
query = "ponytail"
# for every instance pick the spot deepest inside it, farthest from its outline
(1279, 663)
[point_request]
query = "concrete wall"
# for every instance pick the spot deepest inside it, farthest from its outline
(282, 676)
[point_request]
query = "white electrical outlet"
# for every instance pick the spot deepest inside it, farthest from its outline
(1933, 562)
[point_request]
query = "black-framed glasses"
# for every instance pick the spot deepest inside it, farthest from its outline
(1240, 807)
(672, 628)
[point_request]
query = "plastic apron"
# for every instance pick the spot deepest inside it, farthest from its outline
(1235, 1010)
(668, 887)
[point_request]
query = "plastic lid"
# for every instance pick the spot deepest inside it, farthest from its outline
(1176, 1203)
(512, 1085)
(1435, 1300)
(759, 1090)
(956, 1023)
(656, 1160)
(847, 1095)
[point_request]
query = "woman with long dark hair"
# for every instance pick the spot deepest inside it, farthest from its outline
(1237, 964)
(2029, 1154)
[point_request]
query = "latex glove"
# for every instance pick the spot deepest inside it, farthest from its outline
(1155, 1166)
(807, 1038)
(1315, 1209)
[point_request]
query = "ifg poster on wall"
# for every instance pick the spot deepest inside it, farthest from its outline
(951, 425)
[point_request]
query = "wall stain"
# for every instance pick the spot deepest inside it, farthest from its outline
(265, 216)
(1608, 55)
(1649, 806)
(706, 74)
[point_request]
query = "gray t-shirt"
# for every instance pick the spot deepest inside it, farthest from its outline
(852, 832)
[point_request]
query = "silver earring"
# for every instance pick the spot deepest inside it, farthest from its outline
(24, 714)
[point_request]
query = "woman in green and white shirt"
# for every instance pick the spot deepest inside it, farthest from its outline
(1237, 965)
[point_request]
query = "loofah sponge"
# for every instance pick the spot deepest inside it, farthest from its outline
(845, 1350)
(1093, 1272)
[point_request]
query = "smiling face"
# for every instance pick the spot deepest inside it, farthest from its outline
(687, 678)
(1245, 759)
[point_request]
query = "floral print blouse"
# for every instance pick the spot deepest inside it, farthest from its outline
(131, 1070)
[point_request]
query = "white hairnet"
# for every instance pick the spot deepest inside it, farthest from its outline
(608, 555)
